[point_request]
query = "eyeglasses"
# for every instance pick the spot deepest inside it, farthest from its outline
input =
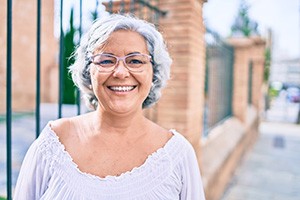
(133, 62)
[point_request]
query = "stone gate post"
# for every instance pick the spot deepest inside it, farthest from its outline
(182, 103)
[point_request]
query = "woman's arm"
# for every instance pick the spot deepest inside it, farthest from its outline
(32, 178)
(192, 188)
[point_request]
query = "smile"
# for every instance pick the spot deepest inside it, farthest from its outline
(121, 88)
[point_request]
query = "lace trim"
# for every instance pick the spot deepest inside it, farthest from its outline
(154, 156)
(158, 165)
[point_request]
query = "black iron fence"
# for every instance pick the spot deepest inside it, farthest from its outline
(8, 96)
(218, 81)
(250, 82)
(147, 10)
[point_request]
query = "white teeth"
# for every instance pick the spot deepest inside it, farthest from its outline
(122, 88)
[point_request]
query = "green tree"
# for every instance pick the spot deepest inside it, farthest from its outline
(267, 64)
(94, 14)
(69, 90)
(243, 25)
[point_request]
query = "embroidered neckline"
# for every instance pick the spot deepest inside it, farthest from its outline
(151, 159)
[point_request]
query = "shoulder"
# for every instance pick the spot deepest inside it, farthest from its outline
(69, 130)
(60, 126)
(178, 147)
(182, 141)
(156, 135)
(66, 128)
(46, 144)
(64, 131)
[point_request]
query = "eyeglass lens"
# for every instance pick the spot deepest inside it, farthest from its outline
(108, 62)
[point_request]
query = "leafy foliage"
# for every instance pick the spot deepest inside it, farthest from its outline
(243, 25)
(94, 14)
(267, 64)
(69, 89)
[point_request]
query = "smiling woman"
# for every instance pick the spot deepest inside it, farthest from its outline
(100, 35)
(127, 84)
(113, 152)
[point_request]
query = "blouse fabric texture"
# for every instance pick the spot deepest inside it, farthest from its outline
(49, 173)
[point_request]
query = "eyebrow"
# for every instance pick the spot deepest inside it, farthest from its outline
(135, 52)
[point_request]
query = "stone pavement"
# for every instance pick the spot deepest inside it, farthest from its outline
(282, 110)
(271, 171)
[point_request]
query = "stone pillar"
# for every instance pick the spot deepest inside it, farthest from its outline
(258, 75)
(258, 71)
(181, 106)
(242, 53)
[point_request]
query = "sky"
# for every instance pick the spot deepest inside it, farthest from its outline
(282, 16)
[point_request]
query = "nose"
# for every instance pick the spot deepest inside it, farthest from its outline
(120, 70)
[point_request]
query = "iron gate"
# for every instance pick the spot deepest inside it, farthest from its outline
(218, 81)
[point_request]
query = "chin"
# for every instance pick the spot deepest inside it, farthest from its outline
(125, 109)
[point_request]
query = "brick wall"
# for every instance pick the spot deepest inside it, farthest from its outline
(258, 59)
(228, 142)
(24, 55)
(181, 106)
(3, 13)
(247, 50)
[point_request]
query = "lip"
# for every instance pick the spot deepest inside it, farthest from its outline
(121, 89)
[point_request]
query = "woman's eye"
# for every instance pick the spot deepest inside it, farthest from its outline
(135, 61)
(106, 62)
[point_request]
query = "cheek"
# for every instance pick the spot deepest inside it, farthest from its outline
(151, 76)
(148, 80)
(95, 78)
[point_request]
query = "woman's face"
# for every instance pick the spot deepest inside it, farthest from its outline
(122, 91)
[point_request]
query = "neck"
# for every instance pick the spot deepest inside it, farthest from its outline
(119, 124)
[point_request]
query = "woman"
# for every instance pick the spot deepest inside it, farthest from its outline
(113, 152)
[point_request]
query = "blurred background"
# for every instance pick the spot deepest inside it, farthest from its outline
(234, 92)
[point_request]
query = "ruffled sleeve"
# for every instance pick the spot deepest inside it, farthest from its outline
(192, 187)
(34, 174)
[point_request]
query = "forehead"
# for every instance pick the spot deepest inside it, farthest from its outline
(125, 41)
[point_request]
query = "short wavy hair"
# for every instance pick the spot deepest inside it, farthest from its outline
(98, 35)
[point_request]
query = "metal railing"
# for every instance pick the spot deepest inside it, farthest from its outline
(218, 81)
(148, 10)
(250, 82)
(8, 97)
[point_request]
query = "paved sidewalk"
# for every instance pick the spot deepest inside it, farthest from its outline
(271, 171)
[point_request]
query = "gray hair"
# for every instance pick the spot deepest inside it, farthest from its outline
(98, 35)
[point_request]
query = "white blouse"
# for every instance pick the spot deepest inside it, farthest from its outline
(48, 172)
